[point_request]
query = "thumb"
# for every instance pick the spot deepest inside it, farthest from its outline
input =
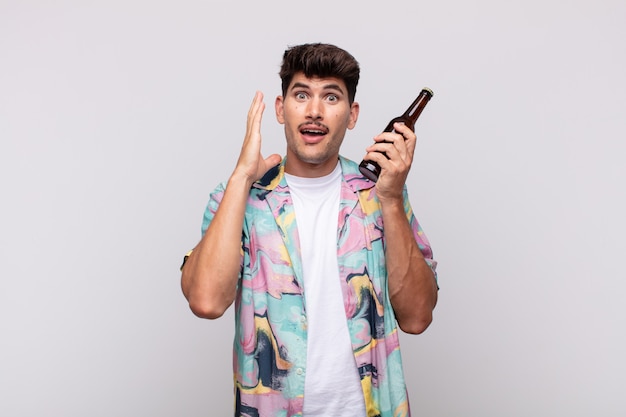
(272, 160)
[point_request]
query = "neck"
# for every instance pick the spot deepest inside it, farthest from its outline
(310, 170)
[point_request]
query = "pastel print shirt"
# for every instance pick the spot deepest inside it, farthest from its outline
(269, 350)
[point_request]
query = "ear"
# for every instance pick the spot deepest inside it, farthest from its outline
(354, 115)
(280, 111)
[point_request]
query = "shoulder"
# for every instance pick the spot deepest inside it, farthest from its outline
(353, 177)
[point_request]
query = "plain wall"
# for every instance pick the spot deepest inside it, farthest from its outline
(117, 118)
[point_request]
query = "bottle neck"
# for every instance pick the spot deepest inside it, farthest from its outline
(415, 109)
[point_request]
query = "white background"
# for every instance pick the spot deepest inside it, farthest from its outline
(117, 118)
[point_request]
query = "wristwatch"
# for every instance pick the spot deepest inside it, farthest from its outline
(185, 259)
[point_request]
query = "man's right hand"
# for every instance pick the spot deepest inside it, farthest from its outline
(209, 278)
(251, 165)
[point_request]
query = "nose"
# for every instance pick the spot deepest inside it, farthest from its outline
(315, 109)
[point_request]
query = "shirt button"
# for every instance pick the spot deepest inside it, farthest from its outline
(299, 371)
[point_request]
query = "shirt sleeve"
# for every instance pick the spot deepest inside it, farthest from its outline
(215, 198)
(420, 236)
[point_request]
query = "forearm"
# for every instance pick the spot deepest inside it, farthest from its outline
(209, 277)
(411, 282)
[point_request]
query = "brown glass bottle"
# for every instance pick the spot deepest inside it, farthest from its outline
(370, 168)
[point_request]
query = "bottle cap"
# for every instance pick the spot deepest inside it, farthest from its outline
(428, 91)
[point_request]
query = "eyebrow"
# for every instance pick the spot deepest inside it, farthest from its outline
(331, 86)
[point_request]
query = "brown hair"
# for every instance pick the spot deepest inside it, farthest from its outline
(320, 60)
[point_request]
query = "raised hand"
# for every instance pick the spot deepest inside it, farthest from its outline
(251, 163)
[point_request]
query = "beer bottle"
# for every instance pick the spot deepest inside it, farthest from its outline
(370, 168)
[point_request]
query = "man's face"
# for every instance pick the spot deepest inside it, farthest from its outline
(315, 113)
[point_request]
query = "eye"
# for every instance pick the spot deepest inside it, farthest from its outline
(300, 96)
(332, 98)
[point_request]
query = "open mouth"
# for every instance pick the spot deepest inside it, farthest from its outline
(313, 132)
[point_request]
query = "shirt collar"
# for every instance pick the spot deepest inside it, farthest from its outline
(275, 177)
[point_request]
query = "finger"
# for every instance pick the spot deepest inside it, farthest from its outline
(392, 144)
(393, 158)
(388, 137)
(255, 111)
(376, 156)
(257, 117)
(256, 101)
(409, 137)
(272, 160)
(386, 148)
(390, 169)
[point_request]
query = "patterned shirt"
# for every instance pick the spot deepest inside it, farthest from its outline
(269, 354)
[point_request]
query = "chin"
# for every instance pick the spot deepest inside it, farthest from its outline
(314, 160)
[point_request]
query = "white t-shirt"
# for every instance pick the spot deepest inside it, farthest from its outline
(332, 384)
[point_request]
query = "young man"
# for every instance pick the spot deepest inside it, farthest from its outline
(323, 264)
